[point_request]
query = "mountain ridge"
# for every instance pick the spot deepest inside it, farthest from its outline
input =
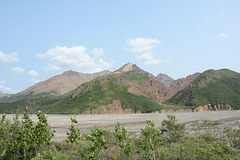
(134, 88)
(63, 83)
(179, 84)
(211, 87)
(130, 89)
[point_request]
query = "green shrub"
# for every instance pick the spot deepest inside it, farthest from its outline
(171, 130)
(98, 141)
(73, 134)
(123, 140)
(149, 140)
(24, 139)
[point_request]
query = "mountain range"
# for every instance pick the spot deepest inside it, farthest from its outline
(126, 90)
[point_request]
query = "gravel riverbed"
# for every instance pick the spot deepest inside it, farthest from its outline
(133, 122)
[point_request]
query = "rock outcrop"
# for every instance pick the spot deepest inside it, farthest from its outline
(181, 83)
(209, 78)
(114, 108)
(176, 111)
(152, 88)
(165, 79)
(204, 108)
(126, 68)
(177, 85)
(209, 107)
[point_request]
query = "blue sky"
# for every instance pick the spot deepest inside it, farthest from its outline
(39, 39)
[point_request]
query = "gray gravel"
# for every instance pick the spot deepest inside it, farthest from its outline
(133, 122)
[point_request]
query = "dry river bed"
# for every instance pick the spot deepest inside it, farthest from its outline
(134, 122)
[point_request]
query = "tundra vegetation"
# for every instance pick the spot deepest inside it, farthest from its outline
(23, 139)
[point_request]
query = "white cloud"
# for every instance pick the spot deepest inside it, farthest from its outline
(149, 58)
(168, 61)
(7, 89)
(34, 80)
(223, 34)
(34, 76)
(33, 73)
(74, 58)
(142, 44)
(17, 70)
(52, 67)
(2, 84)
(98, 52)
(10, 90)
(7, 58)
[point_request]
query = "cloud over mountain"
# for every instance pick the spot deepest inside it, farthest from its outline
(75, 58)
(144, 46)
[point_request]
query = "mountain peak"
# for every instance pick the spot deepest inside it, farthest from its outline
(70, 72)
(165, 79)
(127, 67)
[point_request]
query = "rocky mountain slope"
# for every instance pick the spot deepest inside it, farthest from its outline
(165, 79)
(130, 86)
(211, 87)
(61, 84)
(128, 90)
(176, 85)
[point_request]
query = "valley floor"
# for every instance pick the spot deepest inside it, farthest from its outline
(133, 122)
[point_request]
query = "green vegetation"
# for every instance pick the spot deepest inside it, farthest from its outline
(101, 94)
(73, 134)
(15, 97)
(223, 89)
(34, 104)
(136, 76)
(26, 140)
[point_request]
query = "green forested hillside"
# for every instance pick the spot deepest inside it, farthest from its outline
(102, 94)
(211, 87)
(91, 95)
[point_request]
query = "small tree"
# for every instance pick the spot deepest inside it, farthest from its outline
(123, 140)
(73, 134)
(171, 129)
(149, 140)
(98, 141)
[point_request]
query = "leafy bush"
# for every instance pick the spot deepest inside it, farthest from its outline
(24, 139)
(149, 140)
(73, 134)
(98, 141)
(171, 130)
(123, 140)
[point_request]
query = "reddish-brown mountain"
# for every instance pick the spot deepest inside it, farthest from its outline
(64, 83)
(177, 85)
